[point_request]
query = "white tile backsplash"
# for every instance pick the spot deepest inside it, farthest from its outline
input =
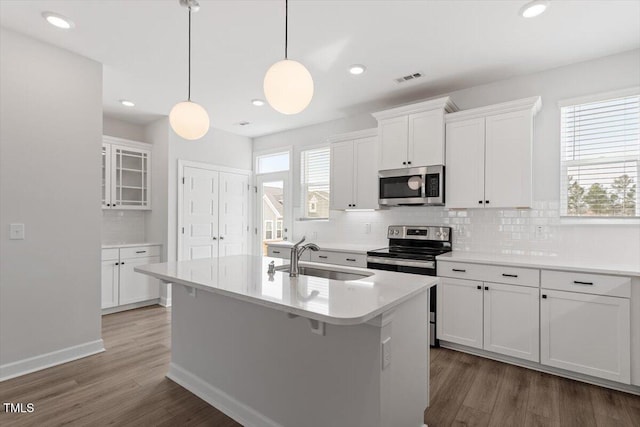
(536, 232)
(122, 227)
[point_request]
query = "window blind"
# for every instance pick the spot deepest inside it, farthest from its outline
(600, 157)
(315, 172)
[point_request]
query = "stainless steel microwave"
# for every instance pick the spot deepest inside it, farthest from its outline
(412, 186)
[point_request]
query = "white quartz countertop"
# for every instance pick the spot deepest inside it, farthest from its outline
(337, 302)
(128, 245)
(352, 248)
(545, 262)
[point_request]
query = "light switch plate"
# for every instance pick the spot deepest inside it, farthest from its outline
(16, 231)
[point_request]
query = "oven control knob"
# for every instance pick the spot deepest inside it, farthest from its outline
(396, 232)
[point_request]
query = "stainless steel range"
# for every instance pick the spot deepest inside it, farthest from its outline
(413, 249)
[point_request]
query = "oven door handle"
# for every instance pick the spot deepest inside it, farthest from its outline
(401, 262)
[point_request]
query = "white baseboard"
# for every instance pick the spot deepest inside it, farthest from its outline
(47, 360)
(215, 397)
(165, 302)
(131, 306)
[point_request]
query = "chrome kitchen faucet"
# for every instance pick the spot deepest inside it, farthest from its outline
(296, 253)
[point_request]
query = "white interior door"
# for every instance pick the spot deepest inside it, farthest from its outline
(233, 214)
(199, 213)
(273, 209)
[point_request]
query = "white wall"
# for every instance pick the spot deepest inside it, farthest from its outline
(121, 129)
(507, 231)
(50, 135)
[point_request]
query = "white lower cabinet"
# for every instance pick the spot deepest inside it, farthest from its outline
(120, 284)
(459, 311)
(511, 318)
(586, 333)
(136, 287)
(491, 316)
(110, 283)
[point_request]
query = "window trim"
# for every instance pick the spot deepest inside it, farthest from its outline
(266, 222)
(271, 151)
(567, 219)
(304, 186)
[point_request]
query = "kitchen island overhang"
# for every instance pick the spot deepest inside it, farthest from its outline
(306, 351)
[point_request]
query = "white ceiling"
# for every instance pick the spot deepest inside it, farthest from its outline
(455, 44)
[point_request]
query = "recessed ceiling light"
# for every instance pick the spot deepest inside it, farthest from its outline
(127, 103)
(58, 20)
(357, 69)
(257, 102)
(534, 8)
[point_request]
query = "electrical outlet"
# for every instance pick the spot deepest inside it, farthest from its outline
(539, 230)
(314, 235)
(367, 228)
(386, 352)
(16, 231)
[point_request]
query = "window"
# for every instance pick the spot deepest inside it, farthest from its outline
(276, 162)
(314, 173)
(600, 156)
(268, 230)
(279, 229)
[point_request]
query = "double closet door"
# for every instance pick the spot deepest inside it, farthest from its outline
(215, 213)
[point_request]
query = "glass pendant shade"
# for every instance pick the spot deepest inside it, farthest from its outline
(189, 120)
(288, 86)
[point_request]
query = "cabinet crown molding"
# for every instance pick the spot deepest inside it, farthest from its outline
(444, 103)
(359, 134)
(127, 142)
(534, 104)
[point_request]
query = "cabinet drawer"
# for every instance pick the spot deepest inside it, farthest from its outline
(459, 270)
(278, 252)
(108, 254)
(512, 275)
(490, 273)
(340, 258)
(139, 252)
(599, 284)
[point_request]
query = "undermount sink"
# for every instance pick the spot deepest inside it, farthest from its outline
(327, 274)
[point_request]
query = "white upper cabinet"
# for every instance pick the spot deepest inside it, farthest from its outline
(126, 177)
(464, 173)
(489, 155)
(413, 135)
(354, 171)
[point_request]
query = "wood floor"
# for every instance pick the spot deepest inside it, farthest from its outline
(125, 386)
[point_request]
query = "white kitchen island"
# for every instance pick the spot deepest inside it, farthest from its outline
(270, 350)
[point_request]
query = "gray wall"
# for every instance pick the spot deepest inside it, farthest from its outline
(121, 129)
(50, 136)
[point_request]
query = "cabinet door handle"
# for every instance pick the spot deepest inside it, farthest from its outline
(479, 287)
(351, 259)
(486, 202)
(122, 263)
(408, 163)
(214, 238)
(509, 275)
(544, 296)
(275, 252)
(404, 163)
(323, 256)
(141, 252)
(117, 263)
(458, 270)
(577, 282)
(221, 237)
(486, 288)
(479, 202)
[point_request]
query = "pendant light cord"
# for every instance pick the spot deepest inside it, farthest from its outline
(286, 27)
(189, 79)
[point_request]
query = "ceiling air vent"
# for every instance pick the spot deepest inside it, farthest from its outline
(243, 123)
(408, 78)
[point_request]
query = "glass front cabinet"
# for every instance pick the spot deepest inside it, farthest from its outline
(125, 175)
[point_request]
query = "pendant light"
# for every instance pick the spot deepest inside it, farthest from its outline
(288, 85)
(189, 119)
